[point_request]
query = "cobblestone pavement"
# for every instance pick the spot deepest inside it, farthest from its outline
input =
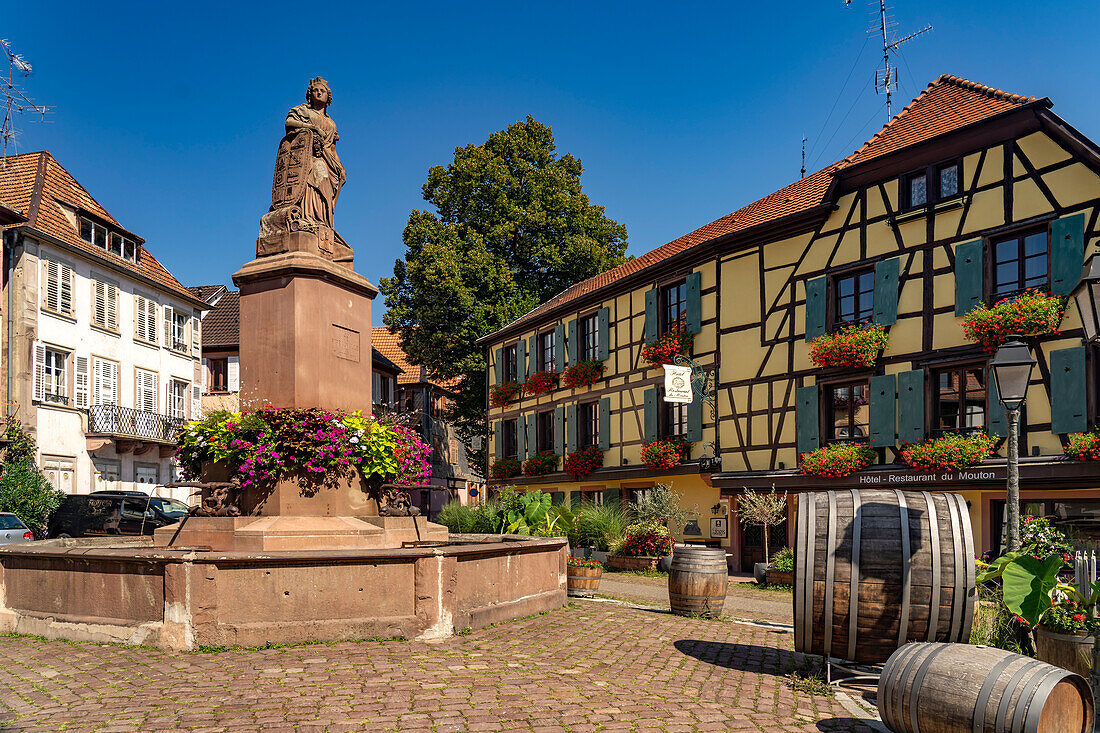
(743, 598)
(591, 666)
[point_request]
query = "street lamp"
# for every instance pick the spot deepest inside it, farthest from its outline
(1011, 367)
(1087, 297)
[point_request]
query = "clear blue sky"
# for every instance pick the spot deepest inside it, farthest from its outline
(170, 113)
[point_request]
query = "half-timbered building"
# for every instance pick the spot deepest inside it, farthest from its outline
(969, 195)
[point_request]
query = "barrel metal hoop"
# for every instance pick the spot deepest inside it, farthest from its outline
(898, 699)
(903, 623)
(987, 690)
(918, 679)
(808, 596)
(1006, 696)
(1035, 702)
(934, 534)
(853, 594)
(1028, 690)
(889, 682)
(799, 571)
(830, 559)
(958, 599)
(971, 572)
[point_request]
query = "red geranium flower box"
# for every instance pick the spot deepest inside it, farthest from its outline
(836, 460)
(584, 461)
(582, 374)
(661, 455)
(851, 346)
(540, 383)
(666, 348)
(1032, 313)
(502, 394)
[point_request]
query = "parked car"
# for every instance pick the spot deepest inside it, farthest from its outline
(103, 513)
(13, 530)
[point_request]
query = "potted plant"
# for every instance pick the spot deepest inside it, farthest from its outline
(540, 383)
(665, 348)
(503, 468)
(1032, 313)
(766, 510)
(597, 528)
(665, 453)
(836, 460)
(950, 452)
(582, 462)
(642, 548)
(852, 346)
(781, 569)
(666, 507)
(501, 395)
(582, 374)
(540, 464)
(583, 576)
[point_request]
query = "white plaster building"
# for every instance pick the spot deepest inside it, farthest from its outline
(102, 346)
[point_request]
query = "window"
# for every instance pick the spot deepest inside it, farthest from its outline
(1020, 262)
(509, 356)
(176, 322)
(673, 419)
(97, 234)
(846, 411)
(674, 306)
(439, 406)
(547, 348)
(145, 397)
(544, 431)
(104, 305)
(177, 399)
(383, 393)
(218, 374)
(105, 382)
(511, 444)
(854, 298)
(959, 398)
(588, 424)
(589, 337)
(145, 320)
(57, 287)
(51, 378)
(931, 185)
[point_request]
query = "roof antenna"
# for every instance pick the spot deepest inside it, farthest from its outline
(886, 78)
(14, 99)
(803, 157)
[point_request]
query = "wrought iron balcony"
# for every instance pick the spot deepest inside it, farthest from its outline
(127, 422)
(55, 399)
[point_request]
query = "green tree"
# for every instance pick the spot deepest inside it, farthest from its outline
(24, 491)
(511, 228)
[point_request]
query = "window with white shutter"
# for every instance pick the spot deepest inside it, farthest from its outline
(196, 336)
(81, 387)
(145, 398)
(105, 382)
(104, 305)
(57, 287)
(39, 371)
(234, 374)
(196, 402)
(178, 394)
(145, 320)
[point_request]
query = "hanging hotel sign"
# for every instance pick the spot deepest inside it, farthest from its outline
(678, 384)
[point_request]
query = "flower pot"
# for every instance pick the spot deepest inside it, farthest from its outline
(636, 562)
(1068, 651)
(759, 571)
(582, 582)
(778, 577)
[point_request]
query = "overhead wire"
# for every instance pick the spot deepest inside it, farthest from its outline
(859, 95)
(840, 94)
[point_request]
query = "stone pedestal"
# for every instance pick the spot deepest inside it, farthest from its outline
(305, 333)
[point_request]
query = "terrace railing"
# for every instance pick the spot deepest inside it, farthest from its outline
(130, 423)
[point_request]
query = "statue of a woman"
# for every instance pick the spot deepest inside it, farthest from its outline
(326, 174)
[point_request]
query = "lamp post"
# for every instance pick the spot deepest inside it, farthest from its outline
(1087, 297)
(1011, 367)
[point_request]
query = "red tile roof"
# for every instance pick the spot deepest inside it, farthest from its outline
(221, 326)
(389, 344)
(37, 185)
(946, 104)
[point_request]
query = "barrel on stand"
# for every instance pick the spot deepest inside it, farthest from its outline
(697, 581)
(876, 569)
(944, 688)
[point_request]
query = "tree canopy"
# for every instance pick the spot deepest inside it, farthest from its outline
(511, 228)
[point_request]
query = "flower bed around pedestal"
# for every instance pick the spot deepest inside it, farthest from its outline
(852, 346)
(1032, 313)
(836, 460)
(950, 452)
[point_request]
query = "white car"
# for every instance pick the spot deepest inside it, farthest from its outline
(13, 530)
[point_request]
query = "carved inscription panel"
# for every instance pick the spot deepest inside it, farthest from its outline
(344, 343)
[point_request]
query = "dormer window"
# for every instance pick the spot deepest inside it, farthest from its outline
(95, 233)
(931, 185)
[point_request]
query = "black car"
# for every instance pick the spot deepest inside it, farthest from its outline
(113, 513)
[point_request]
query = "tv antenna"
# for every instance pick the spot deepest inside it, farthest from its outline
(803, 157)
(886, 77)
(14, 98)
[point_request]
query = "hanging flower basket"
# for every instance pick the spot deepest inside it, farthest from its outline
(836, 460)
(540, 383)
(502, 394)
(1032, 313)
(540, 464)
(505, 468)
(584, 461)
(661, 455)
(951, 452)
(851, 346)
(582, 374)
(666, 348)
(1083, 446)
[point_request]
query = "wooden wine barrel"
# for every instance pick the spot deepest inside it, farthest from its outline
(875, 569)
(697, 581)
(944, 688)
(582, 582)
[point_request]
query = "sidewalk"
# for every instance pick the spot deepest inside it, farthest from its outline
(743, 599)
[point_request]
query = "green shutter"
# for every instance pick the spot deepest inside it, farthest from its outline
(603, 317)
(968, 276)
(571, 428)
(559, 430)
(807, 422)
(533, 354)
(882, 410)
(498, 366)
(911, 406)
(650, 414)
(610, 496)
(815, 308)
(521, 439)
(559, 348)
(1068, 397)
(998, 421)
(521, 359)
(532, 436)
(651, 314)
(694, 302)
(605, 423)
(695, 416)
(886, 291)
(1067, 253)
(557, 497)
(573, 355)
(517, 360)
(498, 440)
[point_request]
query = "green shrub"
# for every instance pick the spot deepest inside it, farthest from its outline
(783, 561)
(662, 505)
(458, 517)
(599, 525)
(994, 625)
(25, 492)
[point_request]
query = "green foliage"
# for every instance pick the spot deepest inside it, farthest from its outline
(24, 491)
(600, 525)
(511, 228)
(513, 512)
(783, 561)
(458, 517)
(811, 684)
(1026, 583)
(1042, 539)
(661, 505)
(994, 625)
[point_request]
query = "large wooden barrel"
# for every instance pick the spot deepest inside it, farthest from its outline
(697, 581)
(875, 569)
(943, 688)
